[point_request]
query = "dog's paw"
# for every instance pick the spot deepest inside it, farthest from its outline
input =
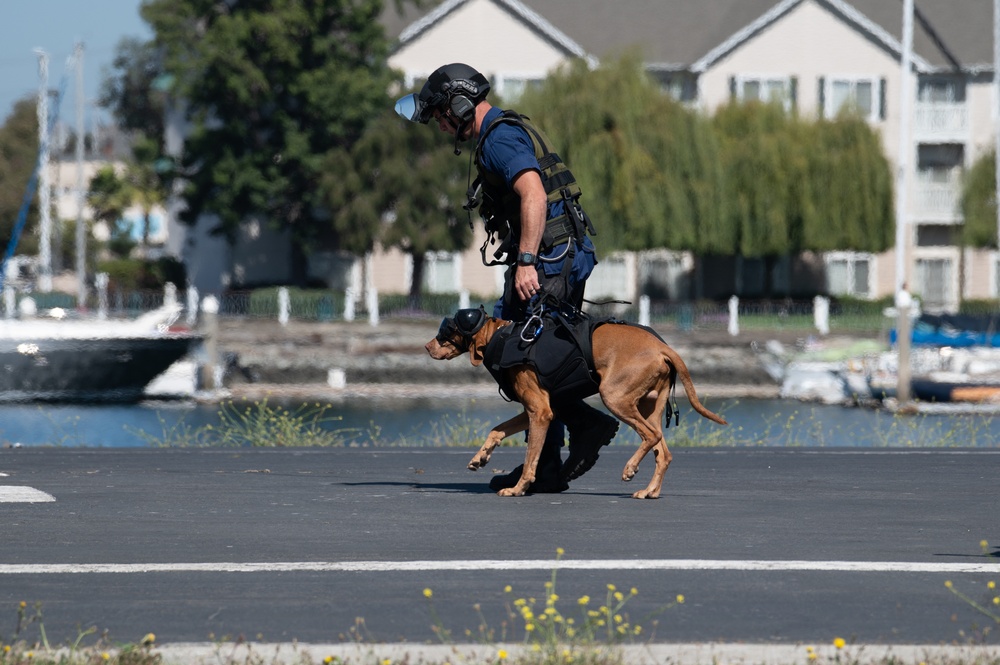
(629, 473)
(511, 491)
(477, 463)
(646, 494)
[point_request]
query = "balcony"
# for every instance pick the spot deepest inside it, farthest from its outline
(937, 202)
(937, 122)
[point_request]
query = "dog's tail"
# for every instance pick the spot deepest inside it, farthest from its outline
(681, 371)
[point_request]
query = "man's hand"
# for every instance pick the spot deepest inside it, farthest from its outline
(526, 282)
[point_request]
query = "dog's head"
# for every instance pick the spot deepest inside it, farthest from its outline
(469, 330)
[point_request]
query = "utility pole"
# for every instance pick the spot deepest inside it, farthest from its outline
(44, 182)
(996, 108)
(902, 228)
(81, 245)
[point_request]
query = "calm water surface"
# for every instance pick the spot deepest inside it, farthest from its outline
(425, 422)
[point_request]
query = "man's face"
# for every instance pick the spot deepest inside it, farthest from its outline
(447, 124)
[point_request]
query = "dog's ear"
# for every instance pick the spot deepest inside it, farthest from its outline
(482, 337)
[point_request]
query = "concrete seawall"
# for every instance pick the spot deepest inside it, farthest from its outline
(300, 356)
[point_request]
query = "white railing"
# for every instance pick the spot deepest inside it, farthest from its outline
(941, 121)
(937, 201)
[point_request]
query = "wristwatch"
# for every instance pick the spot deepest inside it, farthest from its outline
(525, 259)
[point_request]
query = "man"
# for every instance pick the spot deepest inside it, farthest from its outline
(529, 201)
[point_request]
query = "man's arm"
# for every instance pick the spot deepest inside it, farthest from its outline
(534, 211)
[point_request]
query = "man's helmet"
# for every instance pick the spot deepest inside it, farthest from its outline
(456, 87)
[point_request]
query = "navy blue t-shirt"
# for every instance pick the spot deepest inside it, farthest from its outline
(508, 151)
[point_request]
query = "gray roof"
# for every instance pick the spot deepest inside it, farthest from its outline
(690, 34)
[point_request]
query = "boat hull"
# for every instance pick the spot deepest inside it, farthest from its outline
(113, 369)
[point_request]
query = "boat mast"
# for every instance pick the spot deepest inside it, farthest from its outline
(81, 249)
(44, 183)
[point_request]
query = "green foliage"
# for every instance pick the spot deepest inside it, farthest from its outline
(979, 203)
(320, 304)
(751, 180)
(803, 185)
(18, 158)
(400, 186)
(143, 274)
(979, 307)
(271, 87)
(647, 165)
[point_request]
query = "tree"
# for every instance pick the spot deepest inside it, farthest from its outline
(108, 198)
(271, 87)
(18, 160)
(400, 185)
(979, 203)
(647, 165)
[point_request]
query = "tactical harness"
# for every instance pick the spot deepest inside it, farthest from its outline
(500, 207)
(557, 345)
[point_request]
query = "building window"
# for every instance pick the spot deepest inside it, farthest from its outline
(780, 89)
(941, 90)
(864, 96)
(511, 88)
(441, 272)
(933, 282)
(848, 274)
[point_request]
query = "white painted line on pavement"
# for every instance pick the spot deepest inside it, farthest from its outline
(531, 564)
(19, 494)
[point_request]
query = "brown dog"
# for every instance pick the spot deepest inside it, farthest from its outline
(637, 372)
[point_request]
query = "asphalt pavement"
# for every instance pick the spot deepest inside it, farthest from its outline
(770, 548)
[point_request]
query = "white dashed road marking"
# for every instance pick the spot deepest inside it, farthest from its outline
(18, 494)
(541, 564)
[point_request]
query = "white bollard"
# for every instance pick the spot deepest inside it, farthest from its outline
(101, 281)
(643, 310)
(9, 301)
(336, 377)
(210, 308)
(192, 306)
(283, 306)
(734, 316)
(350, 304)
(371, 300)
(821, 314)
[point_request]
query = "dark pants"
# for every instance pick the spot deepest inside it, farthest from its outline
(511, 308)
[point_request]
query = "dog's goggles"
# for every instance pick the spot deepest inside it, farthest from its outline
(459, 331)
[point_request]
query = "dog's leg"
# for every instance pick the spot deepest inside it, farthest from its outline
(539, 413)
(518, 423)
(643, 415)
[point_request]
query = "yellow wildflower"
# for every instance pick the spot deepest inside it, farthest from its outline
(22, 604)
(387, 661)
(553, 598)
(149, 638)
(611, 587)
(680, 599)
(502, 655)
(328, 660)
(991, 585)
(105, 655)
(507, 589)
(30, 654)
(947, 583)
(560, 551)
(528, 627)
(839, 642)
(634, 591)
(618, 596)
(584, 600)
(428, 593)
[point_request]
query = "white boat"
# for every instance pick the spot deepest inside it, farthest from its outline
(88, 360)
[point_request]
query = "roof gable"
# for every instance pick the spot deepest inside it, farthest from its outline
(686, 35)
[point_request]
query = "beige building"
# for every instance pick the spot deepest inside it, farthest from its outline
(814, 55)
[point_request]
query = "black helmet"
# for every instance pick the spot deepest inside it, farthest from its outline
(456, 87)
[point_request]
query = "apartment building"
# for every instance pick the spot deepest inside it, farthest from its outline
(814, 55)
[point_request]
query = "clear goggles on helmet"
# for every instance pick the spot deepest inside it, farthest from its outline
(411, 108)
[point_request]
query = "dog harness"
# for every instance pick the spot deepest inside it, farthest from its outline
(560, 352)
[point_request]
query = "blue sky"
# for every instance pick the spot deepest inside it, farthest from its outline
(55, 26)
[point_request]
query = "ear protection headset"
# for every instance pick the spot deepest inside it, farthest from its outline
(462, 94)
